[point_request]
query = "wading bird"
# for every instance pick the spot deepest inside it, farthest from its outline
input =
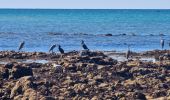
(128, 53)
(21, 45)
(52, 48)
(84, 45)
(60, 49)
(162, 43)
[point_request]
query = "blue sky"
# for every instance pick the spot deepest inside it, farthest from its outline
(87, 4)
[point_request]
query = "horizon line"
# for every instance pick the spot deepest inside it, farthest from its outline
(95, 8)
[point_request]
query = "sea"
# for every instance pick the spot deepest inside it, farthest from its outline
(41, 28)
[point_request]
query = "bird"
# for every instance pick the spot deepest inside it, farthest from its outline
(128, 53)
(60, 49)
(162, 43)
(21, 45)
(84, 45)
(52, 48)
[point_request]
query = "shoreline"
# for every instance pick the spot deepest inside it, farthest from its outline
(12, 55)
(86, 75)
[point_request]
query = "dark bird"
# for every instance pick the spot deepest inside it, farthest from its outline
(21, 45)
(84, 45)
(162, 43)
(60, 49)
(128, 53)
(52, 48)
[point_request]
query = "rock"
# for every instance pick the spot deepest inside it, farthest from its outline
(21, 86)
(102, 85)
(21, 71)
(19, 97)
(72, 68)
(95, 98)
(47, 98)
(9, 65)
(159, 93)
(4, 73)
(108, 34)
(140, 96)
(84, 53)
(99, 79)
(35, 65)
(57, 68)
(163, 85)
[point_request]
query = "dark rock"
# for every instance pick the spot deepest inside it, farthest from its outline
(4, 73)
(72, 68)
(139, 96)
(21, 71)
(35, 65)
(163, 85)
(108, 34)
(157, 94)
(9, 65)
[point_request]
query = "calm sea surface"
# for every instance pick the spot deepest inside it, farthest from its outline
(42, 28)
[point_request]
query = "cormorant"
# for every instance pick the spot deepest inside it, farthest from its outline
(128, 53)
(162, 43)
(84, 45)
(21, 45)
(60, 49)
(52, 48)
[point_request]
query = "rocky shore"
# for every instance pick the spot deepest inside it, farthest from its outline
(83, 75)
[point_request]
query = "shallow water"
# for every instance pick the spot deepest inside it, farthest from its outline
(42, 28)
(27, 61)
(123, 58)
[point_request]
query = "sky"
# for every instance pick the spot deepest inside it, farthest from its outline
(87, 4)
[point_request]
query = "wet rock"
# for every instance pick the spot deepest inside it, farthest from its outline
(21, 71)
(4, 73)
(84, 53)
(140, 96)
(17, 56)
(48, 98)
(108, 34)
(35, 65)
(9, 65)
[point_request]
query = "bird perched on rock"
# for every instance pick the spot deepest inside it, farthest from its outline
(21, 45)
(84, 45)
(52, 48)
(60, 49)
(162, 43)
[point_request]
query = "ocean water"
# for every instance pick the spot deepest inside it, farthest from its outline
(40, 28)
